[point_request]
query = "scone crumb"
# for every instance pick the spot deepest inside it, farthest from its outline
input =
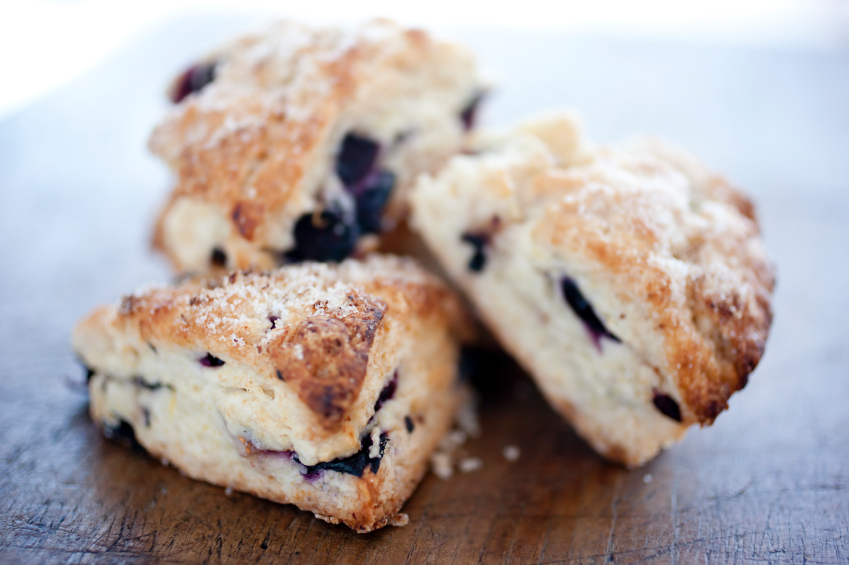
(440, 463)
(511, 453)
(329, 519)
(228, 491)
(467, 418)
(647, 479)
(399, 520)
(443, 459)
(470, 464)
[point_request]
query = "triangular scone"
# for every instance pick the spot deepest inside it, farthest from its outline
(301, 143)
(324, 386)
(631, 282)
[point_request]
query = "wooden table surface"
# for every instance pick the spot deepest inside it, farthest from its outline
(768, 483)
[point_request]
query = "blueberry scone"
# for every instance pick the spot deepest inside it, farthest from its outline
(324, 386)
(630, 281)
(301, 144)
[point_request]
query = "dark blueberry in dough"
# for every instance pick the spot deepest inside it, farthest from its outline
(371, 197)
(667, 406)
(218, 257)
(125, 434)
(325, 238)
(280, 375)
(273, 320)
(354, 464)
(141, 383)
(89, 373)
(193, 80)
(584, 311)
(210, 360)
(478, 243)
(408, 422)
(387, 393)
(356, 159)
(469, 114)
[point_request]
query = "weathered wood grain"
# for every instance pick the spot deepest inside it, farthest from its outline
(769, 483)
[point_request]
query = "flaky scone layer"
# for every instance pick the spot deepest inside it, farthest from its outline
(272, 382)
(257, 148)
(630, 281)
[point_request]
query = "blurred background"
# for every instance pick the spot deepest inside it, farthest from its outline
(47, 43)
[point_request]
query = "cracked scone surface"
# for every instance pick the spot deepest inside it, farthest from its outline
(301, 143)
(630, 281)
(324, 386)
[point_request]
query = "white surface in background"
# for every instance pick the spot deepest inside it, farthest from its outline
(47, 43)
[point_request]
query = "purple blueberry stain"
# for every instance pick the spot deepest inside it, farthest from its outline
(193, 79)
(408, 423)
(387, 393)
(325, 237)
(667, 406)
(273, 320)
(280, 376)
(479, 243)
(584, 310)
(210, 360)
(352, 465)
(356, 158)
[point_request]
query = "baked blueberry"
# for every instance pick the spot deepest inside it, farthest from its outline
(142, 383)
(193, 80)
(356, 159)
(667, 406)
(354, 464)
(371, 197)
(584, 310)
(210, 360)
(479, 243)
(469, 114)
(218, 257)
(123, 433)
(387, 393)
(327, 237)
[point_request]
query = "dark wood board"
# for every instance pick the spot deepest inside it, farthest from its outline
(768, 483)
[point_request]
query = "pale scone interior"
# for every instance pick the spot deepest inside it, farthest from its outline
(322, 386)
(630, 281)
(301, 143)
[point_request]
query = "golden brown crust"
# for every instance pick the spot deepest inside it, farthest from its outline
(715, 338)
(325, 359)
(321, 347)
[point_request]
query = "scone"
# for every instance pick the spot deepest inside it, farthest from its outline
(301, 144)
(324, 386)
(631, 282)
